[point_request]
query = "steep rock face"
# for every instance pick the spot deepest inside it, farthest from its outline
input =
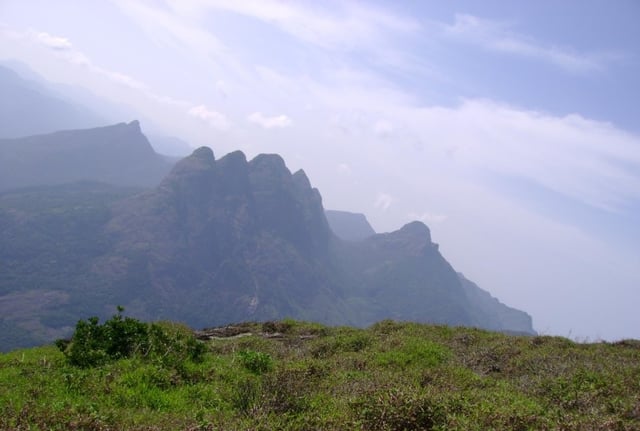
(224, 241)
(349, 226)
(118, 154)
(288, 205)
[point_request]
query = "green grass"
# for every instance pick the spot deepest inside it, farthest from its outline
(391, 376)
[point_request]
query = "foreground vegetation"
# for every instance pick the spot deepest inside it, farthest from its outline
(124, 374)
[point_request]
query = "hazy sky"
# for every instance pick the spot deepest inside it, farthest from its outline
(512, 128)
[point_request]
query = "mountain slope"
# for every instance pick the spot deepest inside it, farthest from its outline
(49, 238)
(118, 154)
(401, 275)
(407, 257)
(492, 314)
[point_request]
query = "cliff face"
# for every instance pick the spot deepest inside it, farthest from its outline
(230, 239)
(226, 240)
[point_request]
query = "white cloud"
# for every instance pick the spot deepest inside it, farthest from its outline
(428, 218)
(64, 49)
(383, 201)
(344, 25)
(53, 42)
(172, 30)
(496, 36)
(579, 158)
(214, 118)
(588, 161)
(278, 121)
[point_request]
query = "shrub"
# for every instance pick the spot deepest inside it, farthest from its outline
(256, 362)
(93, 344)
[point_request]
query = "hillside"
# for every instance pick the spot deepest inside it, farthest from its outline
(289, 375)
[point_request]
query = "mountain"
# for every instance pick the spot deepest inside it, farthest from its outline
(118, 154)
(29, 108)
(486, 311)
(223, 240)
(216, 241)
(349, 226)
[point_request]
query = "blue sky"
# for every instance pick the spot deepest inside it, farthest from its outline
(510, 128)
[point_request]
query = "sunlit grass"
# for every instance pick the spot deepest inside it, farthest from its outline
(392, 376)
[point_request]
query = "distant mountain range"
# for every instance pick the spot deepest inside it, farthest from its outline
(29, 108)
(31, 105)
(118, 154)
(211, 242)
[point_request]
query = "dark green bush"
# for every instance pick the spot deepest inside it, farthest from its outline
(94, 344)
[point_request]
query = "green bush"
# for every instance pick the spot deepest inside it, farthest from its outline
(256, 362)
(94, 344)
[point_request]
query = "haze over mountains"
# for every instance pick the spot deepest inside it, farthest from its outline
(28, 108)
(94, 218)
(211, 242)
(32, 106)
(118, 154)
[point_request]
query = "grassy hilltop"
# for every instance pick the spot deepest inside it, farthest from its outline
(292, 375)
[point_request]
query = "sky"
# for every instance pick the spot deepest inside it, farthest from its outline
(511, 128)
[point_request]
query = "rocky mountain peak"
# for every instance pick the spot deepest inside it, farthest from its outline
(235, 159)
(269, 161)
(415, 230)
(414, 238)
(134, 126)
(205, 154)
(301, 180)
(197, 167)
